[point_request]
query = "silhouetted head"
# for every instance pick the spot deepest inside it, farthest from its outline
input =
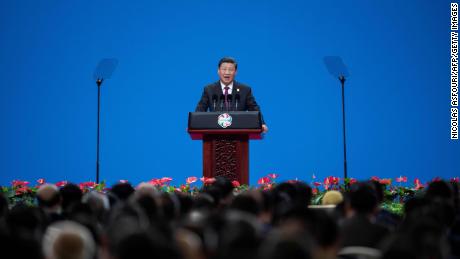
(439, 190)
(122, 190)
(246, 203)
(70, 194)
(363, 197)
(25, 221)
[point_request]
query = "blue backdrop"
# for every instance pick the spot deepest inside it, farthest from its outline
(397, 95)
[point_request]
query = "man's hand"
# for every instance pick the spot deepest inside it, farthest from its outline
(264, 128)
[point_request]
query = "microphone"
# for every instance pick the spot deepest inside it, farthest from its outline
(214, 101)
(229, 100)
(222, 100)
(237, 100)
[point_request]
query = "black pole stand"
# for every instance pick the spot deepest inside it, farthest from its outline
(98, 82)
(342, 80)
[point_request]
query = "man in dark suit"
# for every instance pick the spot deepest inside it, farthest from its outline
(227, 94)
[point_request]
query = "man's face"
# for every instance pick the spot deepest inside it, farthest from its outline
(227, 72)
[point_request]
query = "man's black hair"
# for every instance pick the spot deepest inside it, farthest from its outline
(228, 60)
(440, 190)
(363, 197)
(122, 190)
(70, 194)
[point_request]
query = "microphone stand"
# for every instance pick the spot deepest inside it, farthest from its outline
(230, 102)
(214, 100)
(237, 99)
(342, 81)
(222, 103)
(99, 83)
(103, 71)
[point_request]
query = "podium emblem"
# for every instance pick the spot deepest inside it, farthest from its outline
(224, 120)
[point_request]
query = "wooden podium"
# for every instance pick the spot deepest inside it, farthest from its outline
(225, 139)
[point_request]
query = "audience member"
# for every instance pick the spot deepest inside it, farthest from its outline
(332, 198)
(49, 200)
(359, 227)
(68, 240)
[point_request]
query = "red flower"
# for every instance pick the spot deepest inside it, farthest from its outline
(385, 181)
(264, 180)
(19, 183)
(235, 183)
(208, 180)
(268, 186)
(273, 176)
(418, 184)
(331, 180)
(165, 180)
(401, 179)
(436, 179)
(191, 180)
(335, 180)
(22, 190)
(314, 191)
(88, 184)
(317, 184)
(155, 182)
(41, 181)
(352, 181)
(85, 185)
(61, 183)
(375, 178)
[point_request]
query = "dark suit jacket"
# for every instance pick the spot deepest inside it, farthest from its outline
(211, 99)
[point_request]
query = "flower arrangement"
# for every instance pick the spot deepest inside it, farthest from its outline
(395, 192)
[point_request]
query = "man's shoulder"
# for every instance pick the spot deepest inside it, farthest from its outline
(241, 85)
(212, 85)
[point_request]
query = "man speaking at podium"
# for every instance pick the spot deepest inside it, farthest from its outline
(227, 94)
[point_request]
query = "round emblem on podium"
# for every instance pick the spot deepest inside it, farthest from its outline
(224, 120)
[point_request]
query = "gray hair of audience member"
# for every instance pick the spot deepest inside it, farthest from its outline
(48, 195)
(68, 240)
(146, 189)
(97, 201)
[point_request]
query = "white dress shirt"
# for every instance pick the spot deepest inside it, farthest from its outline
(230, 86)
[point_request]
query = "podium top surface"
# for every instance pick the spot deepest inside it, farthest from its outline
(224, 123)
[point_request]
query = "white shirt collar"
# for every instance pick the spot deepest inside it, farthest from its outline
(230, 87)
